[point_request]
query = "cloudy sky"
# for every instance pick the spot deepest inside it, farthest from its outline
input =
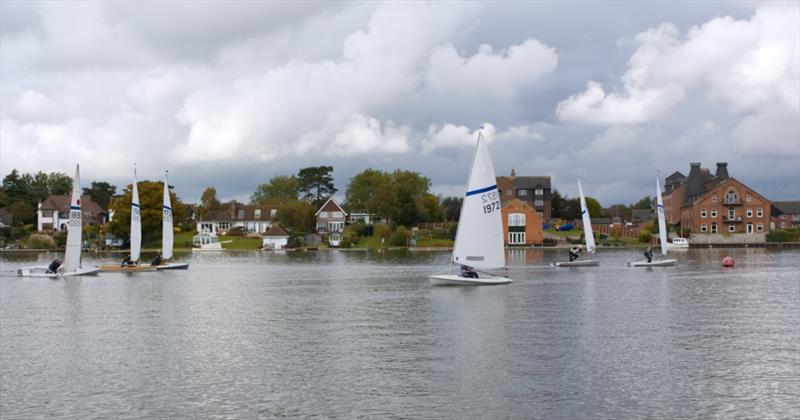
(230, 94)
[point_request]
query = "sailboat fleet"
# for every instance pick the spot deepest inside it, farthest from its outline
(478, 247)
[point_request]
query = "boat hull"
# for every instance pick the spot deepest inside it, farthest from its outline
(658, 263)
(456, 280)
(173, 266)
(126, 269)
(208, 249)
(577, 263)
(42, 272)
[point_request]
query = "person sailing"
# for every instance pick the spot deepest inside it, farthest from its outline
(157, 260)
(467, 272)
(649, 253)
(574, 253)
(127, 261)
(54, 266)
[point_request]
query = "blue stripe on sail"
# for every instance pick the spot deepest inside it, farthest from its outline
(168, 208)
(583, 212)
(482, 190)
(134, 205)
(74, 207)
(661, 206)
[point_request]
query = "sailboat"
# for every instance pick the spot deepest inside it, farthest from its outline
(136, 236)
(167, 233)
(662, 235)
(479, 238)
(72, 256)
(587, 233)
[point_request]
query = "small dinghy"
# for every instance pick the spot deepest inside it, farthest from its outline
(136, 238)
(662, 235)
(588, 235)
(168, 234)
(72, 257)
(479, 237)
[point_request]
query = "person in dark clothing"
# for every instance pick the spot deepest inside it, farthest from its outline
(466, 271)
(574, 253)
(127, 261)
(54, 266)
(649, 253)
(157, 260)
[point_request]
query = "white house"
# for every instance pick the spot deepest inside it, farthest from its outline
(331, 219)
(251, 218)
(53, 212)
(275, 238)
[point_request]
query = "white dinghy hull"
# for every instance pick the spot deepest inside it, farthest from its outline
(42, 272)
(456, 280)
(173, 266)
(659, 263)
(582, 263)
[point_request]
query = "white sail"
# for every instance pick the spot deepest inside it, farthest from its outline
(72, 258)
(136, 222)
(167, 231)
(479, 238)
(587, 221)
(662, 224)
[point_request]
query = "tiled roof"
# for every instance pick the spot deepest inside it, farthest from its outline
(787, 207)
(330, 205)
(524, 182)
(276, 230)
(61, 204)
(216, 216)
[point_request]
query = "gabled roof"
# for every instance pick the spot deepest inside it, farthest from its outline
(523, 182)
(641, 214)
(675, 177)
(216, 216)
(330, 205)
(61, 204)
(276, 230)
(787, 207)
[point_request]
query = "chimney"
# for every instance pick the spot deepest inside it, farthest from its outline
(722, 171)
(513, 172)
(694, 182)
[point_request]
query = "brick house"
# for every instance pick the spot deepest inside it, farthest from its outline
(52, 213)
(785, 215)
(331, 219)
(533, 190)
(522, 225)
(251, 218)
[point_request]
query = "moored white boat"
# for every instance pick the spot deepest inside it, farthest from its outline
(679, 243)
(72, 257)
(479, 238)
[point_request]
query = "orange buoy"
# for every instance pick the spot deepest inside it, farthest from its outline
(727, 261)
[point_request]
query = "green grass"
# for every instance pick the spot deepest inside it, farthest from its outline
(370, 242)
(183, 241)
(441, 243)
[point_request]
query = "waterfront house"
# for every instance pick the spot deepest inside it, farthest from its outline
(331, 219)
(785, 215)
(52, 213)
(6, 218)
(641, 216)
(533, 190)
(522, 225)
(250, 218)
(275, 238)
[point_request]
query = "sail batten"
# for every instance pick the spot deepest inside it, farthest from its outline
(479, 238)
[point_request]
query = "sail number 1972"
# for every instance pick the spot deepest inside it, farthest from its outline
(491, 202)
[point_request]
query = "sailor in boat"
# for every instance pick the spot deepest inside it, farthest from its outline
(53, 267)
(574, 253)
(157, 260)
(127, 261)
(468, 272)
(648, 253)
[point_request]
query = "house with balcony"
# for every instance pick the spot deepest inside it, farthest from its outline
(536, 191)
(250, 218)
(52, 213)
(522, 225)
(785, 215)
(331, 219)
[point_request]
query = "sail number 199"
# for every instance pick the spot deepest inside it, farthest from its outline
(490, 202)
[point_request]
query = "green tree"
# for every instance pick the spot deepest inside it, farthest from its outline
(411, 189)
(101, 193)
(452, 208)
(151, 196)
(594, 207)
(646, 202)
(279, 188)
(558, 205)
(362, 189)
(22, 212)
(296, 215)
(316, 182)
(15, 186)
(59, 183)
(208, 202)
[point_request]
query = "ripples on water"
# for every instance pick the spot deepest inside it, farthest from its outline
(357, 334)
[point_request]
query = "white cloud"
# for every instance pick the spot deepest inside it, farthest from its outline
(498, 75)
(748, 64)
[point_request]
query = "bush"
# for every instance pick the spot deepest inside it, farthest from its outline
(784, 235)
(60, 238)
(549, 242)
(235, 231)
(399, 237)
(39, 241)
(381, 231)
(645, 236)
(451, 231)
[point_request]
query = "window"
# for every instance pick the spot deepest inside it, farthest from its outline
(539, 191)
(731, 228)
(714, 199)
(730, 197)
(509, 193)
(759, 227)
(522, 193)
(713, 213)
(516, 238)
(240, 214)
(703, 227)
(224, 225)
(749, 228)
(783, 225)
(516, 219)
(760, 213)
(731, 214)
(335, 214)
(713, 228)
(749, 198)
(703, 213)
(273, 212)
(258, 213)
(335, 226)
(749, 212)
(538, 203)
(47, 213)
(323, 214)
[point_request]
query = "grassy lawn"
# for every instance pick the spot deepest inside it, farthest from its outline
(371, 242)
(183, 241)
(440, 243)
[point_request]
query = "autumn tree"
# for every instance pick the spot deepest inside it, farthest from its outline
(279, 188)
(362, 189)
(151, 195)
(296, 215)
(208, 202)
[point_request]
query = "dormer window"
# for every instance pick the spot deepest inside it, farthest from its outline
(257, 214)
(522, 192)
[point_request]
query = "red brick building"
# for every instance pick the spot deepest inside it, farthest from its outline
(522, 225)
(785, 215)
(533, 190)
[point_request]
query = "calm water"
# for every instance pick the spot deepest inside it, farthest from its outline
(357, 334)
